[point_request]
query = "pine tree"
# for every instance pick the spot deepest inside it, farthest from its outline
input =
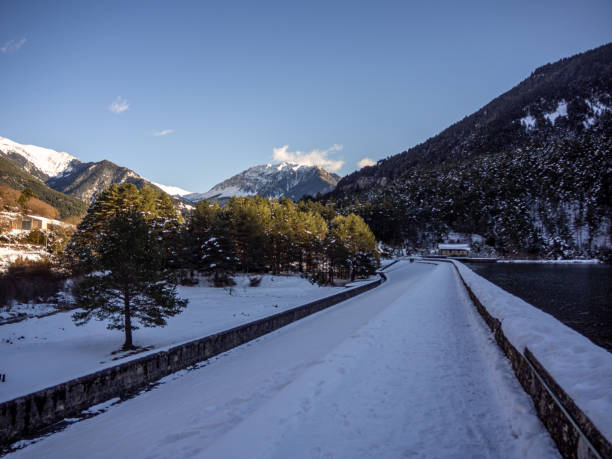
(212, 245)
(124, 251)
(352, 245)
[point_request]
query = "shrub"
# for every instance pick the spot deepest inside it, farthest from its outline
(28, 280)
(223, 281)
(254, 281)
(36, 237)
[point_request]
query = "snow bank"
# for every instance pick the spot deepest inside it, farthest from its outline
(581, 368)
(25, 310)
(8, 255)
(407, 369)
(554, 262)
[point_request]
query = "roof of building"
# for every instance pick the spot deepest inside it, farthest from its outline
(453, 246)
(48, 221)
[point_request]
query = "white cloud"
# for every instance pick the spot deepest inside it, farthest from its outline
(119, 105)
(163, 132)
(366, 162)
(312, 158)
(12, 46)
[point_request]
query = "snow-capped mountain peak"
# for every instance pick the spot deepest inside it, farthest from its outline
(67, 174)
(172, 190)
(50, 162)
(273, 181)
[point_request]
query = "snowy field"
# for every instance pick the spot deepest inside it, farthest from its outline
(18, 311)
(8, 254)
(408, 369)
(39, 353)
(582, 369)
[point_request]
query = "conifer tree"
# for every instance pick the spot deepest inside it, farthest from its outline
(352, 245)
(124, 251)
(212, 244)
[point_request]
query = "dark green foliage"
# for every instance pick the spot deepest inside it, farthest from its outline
(351, 246)
(36, 237)
(537, 190)
(125, 250)
(208, 243)
(262, 235)
(25, 196)
(13, 176)
(549, 200)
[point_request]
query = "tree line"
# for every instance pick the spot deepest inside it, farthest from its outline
(133, 248)
(549, 200)
(254, 235)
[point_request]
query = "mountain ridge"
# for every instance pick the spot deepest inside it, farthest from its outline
(526, 113)
(291, 180)
(530, 172)
(67, 174)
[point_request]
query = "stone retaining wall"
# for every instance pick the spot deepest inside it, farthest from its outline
(24, 416)
(573, 432)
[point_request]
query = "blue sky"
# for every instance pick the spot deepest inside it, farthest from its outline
(229, 83)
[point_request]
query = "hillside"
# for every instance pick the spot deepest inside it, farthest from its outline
(67, 174)
(85, 180)
(558, 101)
(531, 171)
(15, 177)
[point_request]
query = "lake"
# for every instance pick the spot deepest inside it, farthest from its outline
(579, 295)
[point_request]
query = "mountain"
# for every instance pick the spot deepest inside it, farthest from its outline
(40, 162)
(558, 101)
(531, 172)
(272, 181)
(11, 174)
(85, 180)
(67, 174)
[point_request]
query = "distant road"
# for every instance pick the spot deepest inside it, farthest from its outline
(405, 370)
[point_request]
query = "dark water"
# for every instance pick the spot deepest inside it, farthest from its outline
(578, 295)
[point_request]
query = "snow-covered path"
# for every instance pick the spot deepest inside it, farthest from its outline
(407, 369)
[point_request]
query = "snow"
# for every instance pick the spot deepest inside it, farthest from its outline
(597, 108)
(219, 192)
(172, 190)
(55, 163)
(23, 310)
(561, 110)
(49, 161)
(529, 122)
(102, 406)
(275, 179)
(453, 246)
(560, 262)
(88, 348)
(407, 369)
(8, 254)
(581, 368)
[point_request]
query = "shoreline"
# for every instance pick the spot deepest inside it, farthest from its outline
(593, 261)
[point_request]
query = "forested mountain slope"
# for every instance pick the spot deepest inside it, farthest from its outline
(559, 100)
(15, 177)
(67, 174)
(531, 171)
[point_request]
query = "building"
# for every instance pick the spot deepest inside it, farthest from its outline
(454, 250)
(16, 221)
